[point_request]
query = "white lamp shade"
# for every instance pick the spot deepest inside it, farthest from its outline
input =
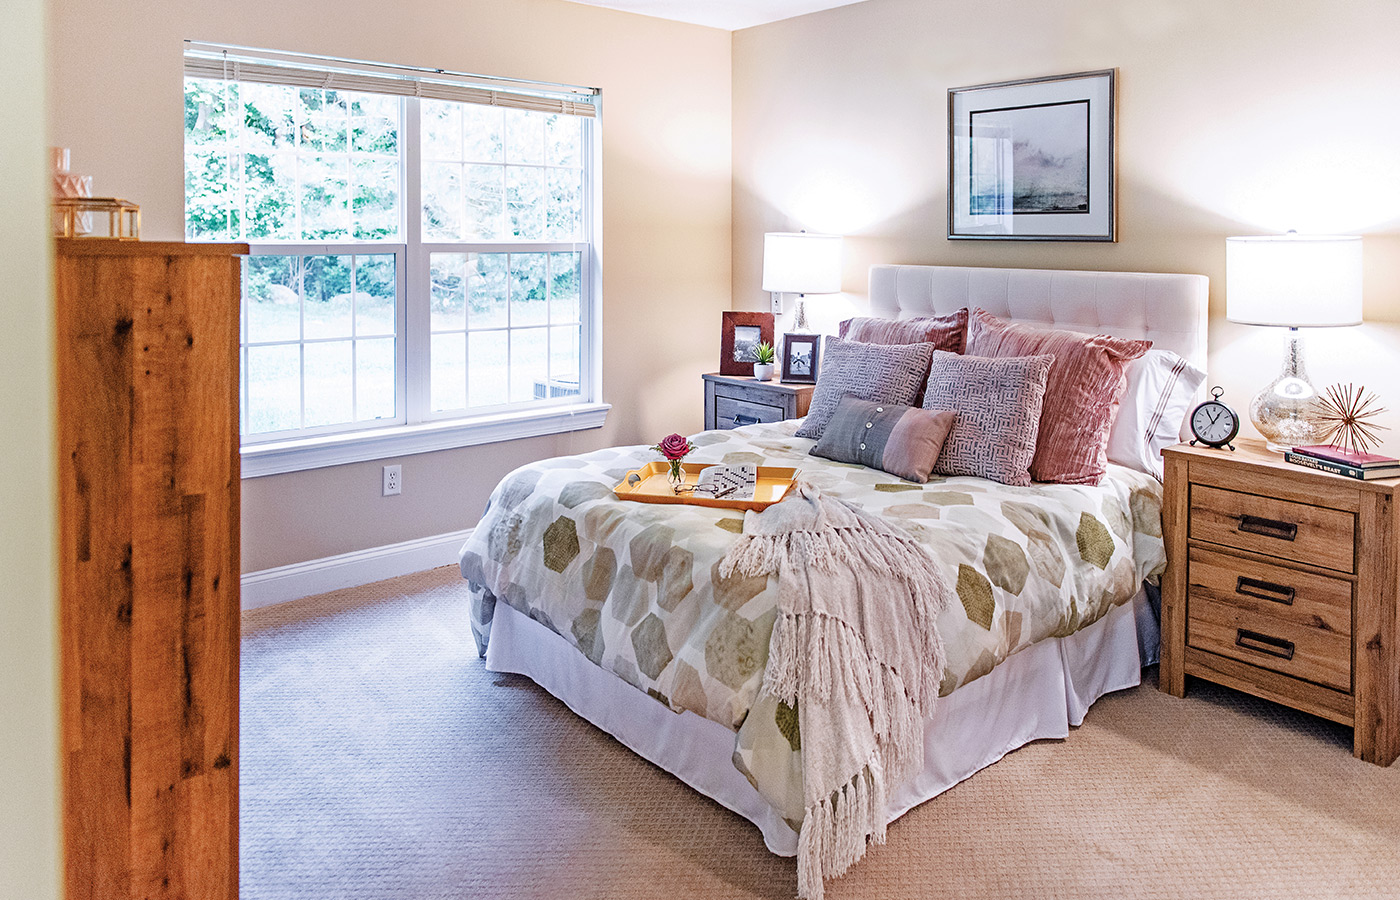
(802, 263)
(1297, 281)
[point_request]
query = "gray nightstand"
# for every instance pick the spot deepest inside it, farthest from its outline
(734, 400)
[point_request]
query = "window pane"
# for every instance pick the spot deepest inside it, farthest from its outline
(485, 203)
(329, 392)
(374, 124)
(563, 360)
(525, 137)
(326, 296)
(525, 203)
(448, 304)
(483, 138)
(375, 198)
(449, 372)
(487, 383)
(376, 287)
(269, 206)
(564, 140)
(564, 214)
(486, 290)
(274, 388)
(442, 201)
(269, 118)
(374, 379)
(210, 112)
(564, 276)
(325, 197)
(529, 363)
(272, 294)
(208, 198)
(528, 303)
(441, 124)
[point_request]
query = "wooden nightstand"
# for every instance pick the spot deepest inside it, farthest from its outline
(734, 400)
(1282, 582)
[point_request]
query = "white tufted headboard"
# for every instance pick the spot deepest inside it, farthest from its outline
(1169, 310)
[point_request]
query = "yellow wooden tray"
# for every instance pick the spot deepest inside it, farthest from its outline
(653, 486)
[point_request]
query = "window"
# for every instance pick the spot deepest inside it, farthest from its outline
(423, 269)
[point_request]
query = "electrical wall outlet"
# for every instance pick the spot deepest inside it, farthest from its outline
(777, 303)
(393, 480)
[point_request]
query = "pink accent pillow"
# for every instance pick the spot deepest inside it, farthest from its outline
(944, 332)
(1082, 394)
(997, 402)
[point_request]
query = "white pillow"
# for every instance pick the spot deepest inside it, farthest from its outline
(1160, 391)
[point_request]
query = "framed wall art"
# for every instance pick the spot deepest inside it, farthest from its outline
(742, 333)
(800, 358)
(1033, 160)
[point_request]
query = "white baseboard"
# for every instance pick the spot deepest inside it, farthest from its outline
(359, 567)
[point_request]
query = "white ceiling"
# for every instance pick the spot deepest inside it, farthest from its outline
(731, 15)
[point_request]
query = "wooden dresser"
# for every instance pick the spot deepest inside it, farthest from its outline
(1282, 582)
(149, 568)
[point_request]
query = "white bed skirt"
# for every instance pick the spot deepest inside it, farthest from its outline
(1038, 693)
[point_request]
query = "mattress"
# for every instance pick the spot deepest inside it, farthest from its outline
(634, 589)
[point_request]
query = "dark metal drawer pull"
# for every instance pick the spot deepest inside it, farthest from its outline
(1284, 531)
(1265, 590)
(745, 420)
(1253, 640)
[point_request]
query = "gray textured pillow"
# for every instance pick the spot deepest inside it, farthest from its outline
(901, 440)
(883, 373)
(998, 403)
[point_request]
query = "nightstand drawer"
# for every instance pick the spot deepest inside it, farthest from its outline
(731, 413)
(1281, 528)
(1298, 598)
(1267, 642)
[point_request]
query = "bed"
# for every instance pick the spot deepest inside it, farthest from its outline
(619, 610)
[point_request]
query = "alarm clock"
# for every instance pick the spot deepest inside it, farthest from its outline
(1213, 423)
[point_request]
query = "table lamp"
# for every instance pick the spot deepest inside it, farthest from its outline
(801, 263)
(1291, 281)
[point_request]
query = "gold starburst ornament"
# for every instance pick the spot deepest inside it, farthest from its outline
(1344, 413)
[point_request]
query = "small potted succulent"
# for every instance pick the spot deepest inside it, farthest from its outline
(763, 357)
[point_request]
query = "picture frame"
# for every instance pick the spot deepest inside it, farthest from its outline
(1033, 160)
(801, 356)
(740, 333)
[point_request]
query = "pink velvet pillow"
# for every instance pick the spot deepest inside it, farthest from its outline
(1081, 396)
(944, 332)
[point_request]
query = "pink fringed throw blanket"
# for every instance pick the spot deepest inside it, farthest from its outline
(856, 651)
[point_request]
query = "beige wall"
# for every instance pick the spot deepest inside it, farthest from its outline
(666, 207)
(29, 861)
(1243, 117)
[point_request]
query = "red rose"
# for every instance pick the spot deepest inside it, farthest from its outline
(674, 447)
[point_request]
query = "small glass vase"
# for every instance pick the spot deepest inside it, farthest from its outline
(675, 476)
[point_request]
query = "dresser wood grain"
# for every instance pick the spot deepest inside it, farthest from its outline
(1282, 582)
(149, 572)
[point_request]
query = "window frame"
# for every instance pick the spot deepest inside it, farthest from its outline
(416, 428)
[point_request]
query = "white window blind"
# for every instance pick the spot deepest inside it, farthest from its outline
(230, 63)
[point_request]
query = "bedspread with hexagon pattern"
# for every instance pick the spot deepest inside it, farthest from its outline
(636, 586)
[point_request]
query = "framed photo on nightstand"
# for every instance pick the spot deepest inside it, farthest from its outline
(739, 339)
(800, 358)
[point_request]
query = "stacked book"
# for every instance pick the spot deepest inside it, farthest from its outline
(1326, 458)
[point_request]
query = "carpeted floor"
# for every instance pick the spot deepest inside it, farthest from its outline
(381, 760)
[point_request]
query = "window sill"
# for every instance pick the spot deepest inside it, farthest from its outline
(334, 450)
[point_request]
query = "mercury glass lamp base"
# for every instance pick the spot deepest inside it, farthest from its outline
(1284, 412)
